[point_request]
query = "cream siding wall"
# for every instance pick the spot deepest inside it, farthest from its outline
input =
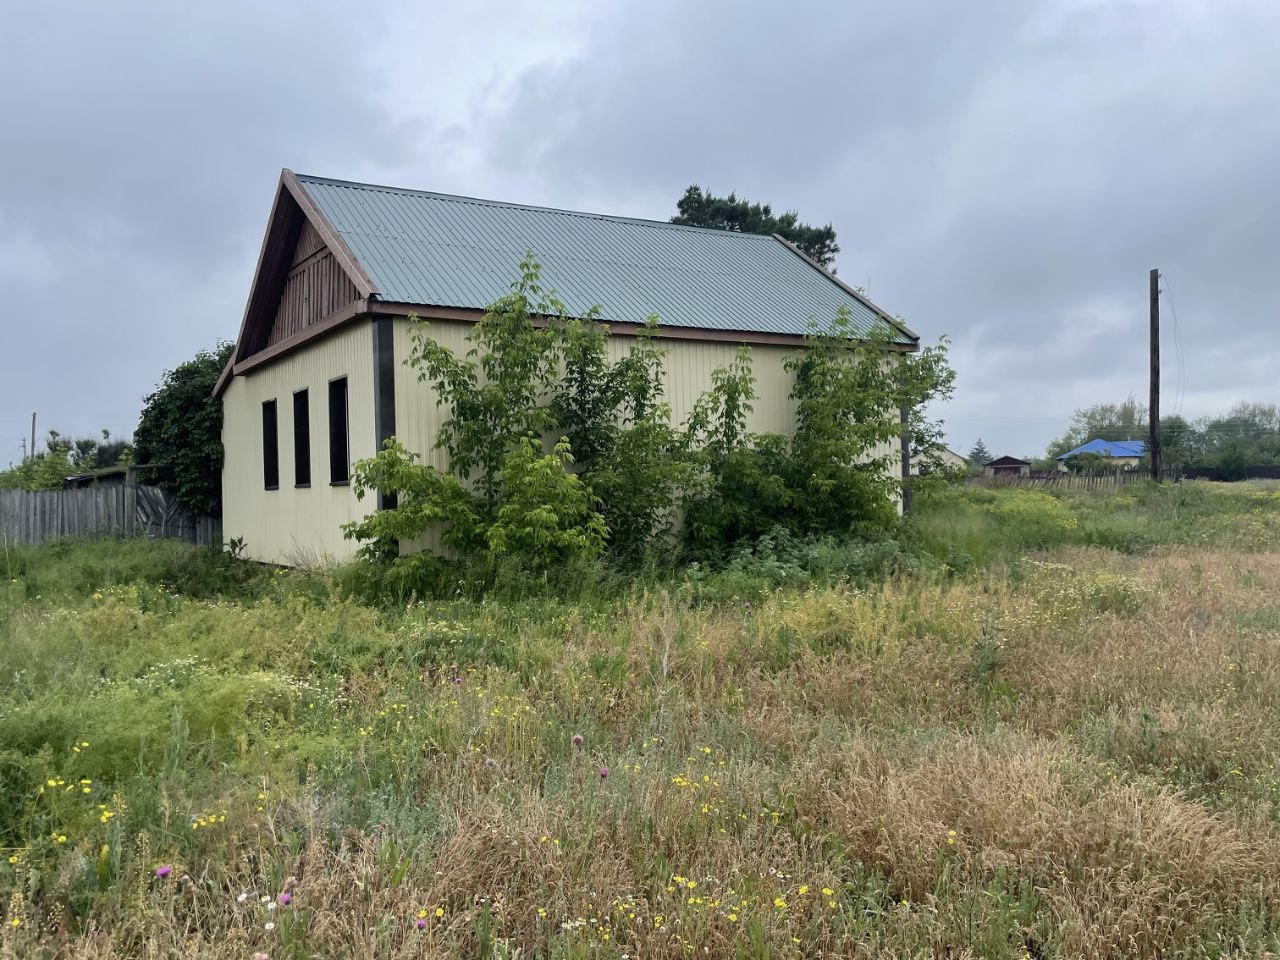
(290, 525)
(689, 366)
(688, 375)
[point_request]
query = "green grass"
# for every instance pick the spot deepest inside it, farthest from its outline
(1029, 726)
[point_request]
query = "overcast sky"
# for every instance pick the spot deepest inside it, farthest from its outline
(1002, 173)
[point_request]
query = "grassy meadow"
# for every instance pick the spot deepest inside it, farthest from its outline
(1031, 726)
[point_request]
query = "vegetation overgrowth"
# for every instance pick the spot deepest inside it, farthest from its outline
(557, 452)
(1020, 725)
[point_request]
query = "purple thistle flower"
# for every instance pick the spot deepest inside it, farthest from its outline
(577, 740)
(420, 924)
(285, 899)
(457, 681)
(163, 871)
(490, 762)
(604, 773)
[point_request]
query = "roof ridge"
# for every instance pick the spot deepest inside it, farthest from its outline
(509, 205)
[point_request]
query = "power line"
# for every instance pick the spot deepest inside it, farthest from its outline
(1181, 392)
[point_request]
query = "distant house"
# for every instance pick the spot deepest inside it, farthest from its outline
(1006, 467)
(944, 459)
(1120, 454)
(317, 379)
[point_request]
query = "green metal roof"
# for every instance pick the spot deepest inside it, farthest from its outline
(434, 249)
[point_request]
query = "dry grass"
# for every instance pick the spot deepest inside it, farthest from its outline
(1073, 757)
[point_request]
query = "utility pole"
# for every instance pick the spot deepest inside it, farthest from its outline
(905, 419)
(1153, 408)
(24, 449)
(33, 434)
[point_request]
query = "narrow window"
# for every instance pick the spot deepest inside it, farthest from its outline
(301, 440)
(270, 447)
(339, 456)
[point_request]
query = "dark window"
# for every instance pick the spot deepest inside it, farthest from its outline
(301, 441)
(339, 456)
(270, 446)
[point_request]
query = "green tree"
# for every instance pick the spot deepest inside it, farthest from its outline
(849, 394)
(63, 457)
(546, 517)
(1103, 421)
(979, 455)
(698, 208)
(180, 432)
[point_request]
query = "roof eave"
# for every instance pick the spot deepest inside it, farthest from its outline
(875, 308)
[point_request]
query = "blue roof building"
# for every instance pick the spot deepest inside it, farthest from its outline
(1109, 448)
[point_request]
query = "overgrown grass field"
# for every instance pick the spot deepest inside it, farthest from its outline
(1029, 726)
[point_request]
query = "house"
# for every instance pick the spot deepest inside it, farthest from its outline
(1120, 454)
(944, 459)
(1006, 467)
(316, 381)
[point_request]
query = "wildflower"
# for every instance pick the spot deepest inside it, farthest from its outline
(804, 888)
(604, 773)
(828, 892)
(420, 923)
(261, 956)
(577, 740)
(490, 762)
(61, 838)
(242, 898)
(439, 911)
(457, 681)
(951, 836)
(780, 903)
(15, 922)
(163, 871)
(285, 899)
(268, 925)
(733, 918)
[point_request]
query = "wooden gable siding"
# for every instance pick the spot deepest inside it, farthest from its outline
(315, 287)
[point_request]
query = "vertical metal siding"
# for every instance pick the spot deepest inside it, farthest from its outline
(292, 525)
(689, 365)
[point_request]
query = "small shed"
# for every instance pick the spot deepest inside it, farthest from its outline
(1006, 467)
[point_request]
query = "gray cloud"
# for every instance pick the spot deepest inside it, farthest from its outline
(138, 156)
(1001, 172)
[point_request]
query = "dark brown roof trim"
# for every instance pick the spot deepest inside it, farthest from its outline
(364, 309)
(619, 328)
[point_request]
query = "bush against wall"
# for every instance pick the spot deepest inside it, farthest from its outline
(620, 473)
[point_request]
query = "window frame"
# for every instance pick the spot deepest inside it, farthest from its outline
(334, 479)
(270, 445)
(302, 440)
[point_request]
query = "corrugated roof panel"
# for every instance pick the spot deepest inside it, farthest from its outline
(440, 250)
(1109, 448)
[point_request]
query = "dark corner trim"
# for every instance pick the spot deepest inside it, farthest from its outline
(384, 391)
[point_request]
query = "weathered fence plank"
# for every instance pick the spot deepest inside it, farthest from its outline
(102, 510)
(1108, 480)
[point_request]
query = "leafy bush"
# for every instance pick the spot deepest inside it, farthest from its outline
(533, 374)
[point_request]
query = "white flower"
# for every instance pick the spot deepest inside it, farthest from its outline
(242, 898)
(268, 925)
(271, 906)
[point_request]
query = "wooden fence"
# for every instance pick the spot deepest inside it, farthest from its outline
(101, 510)
(1104, 480)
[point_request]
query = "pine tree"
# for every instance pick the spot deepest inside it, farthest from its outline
(698, 208)
(979, 454)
